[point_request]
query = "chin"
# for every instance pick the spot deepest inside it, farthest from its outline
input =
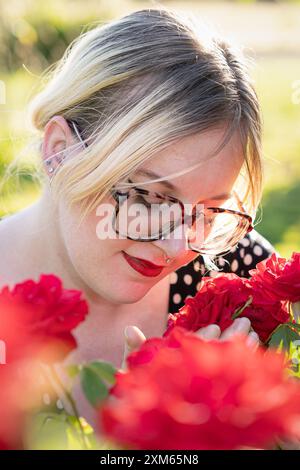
(119, 292)
(127, 294)
(126, 299)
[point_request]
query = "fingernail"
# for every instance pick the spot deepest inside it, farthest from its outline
(128, 333)
(209, 330)
(213, 328)
(241, 323)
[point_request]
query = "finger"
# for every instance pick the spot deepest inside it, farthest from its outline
(288, 444)
(239, 326)
(134, 338)
(253, 340)
(209, 332)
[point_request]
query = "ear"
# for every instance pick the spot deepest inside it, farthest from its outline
(57, 143)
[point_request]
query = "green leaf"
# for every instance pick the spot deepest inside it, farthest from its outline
(93, 386)
(105, 370)
(294, 357)
(283, 336)
(295, 310)
(294, 325)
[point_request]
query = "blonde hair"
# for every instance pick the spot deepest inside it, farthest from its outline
(136, 84)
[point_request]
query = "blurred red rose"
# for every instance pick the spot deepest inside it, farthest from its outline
(36, 323)
(181, 392)
(19, 395)
(279, 278)
(18, 373)
(45, 310)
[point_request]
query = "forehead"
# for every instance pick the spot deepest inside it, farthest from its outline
(211, 174)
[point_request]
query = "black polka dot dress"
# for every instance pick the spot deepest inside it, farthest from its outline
(185, 282)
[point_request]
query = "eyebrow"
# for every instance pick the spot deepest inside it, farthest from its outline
(171, 187)
(152, 174)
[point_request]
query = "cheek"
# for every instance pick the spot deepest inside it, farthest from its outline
(88, 253)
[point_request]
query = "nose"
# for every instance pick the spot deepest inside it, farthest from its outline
(175, 244)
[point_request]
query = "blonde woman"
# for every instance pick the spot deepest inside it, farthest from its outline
(143, 109)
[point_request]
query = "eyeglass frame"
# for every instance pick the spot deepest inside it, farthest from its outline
(116, 193)
(163, 197)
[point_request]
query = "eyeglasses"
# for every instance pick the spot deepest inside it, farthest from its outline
(143, 215)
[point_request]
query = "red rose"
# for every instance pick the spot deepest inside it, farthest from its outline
(265, 314)
(220, 297)
(45, 310)
(36, 323)
(215, 302)
(194, 394)
(279, 278)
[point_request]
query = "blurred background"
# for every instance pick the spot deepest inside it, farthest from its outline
(34, 35)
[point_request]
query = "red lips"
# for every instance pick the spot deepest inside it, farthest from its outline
(142, 266)
(148, 263)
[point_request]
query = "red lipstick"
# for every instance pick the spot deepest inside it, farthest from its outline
(142, 266)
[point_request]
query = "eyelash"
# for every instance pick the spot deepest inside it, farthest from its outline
(137, 186)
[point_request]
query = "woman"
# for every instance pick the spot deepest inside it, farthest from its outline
(142, 102)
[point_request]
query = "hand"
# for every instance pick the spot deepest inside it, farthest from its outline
(240, 325)
(134, 337)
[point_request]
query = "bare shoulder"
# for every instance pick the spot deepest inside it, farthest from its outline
(10, 252)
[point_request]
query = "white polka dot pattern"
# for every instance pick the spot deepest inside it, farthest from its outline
(234, 265)
(257, 250)
(176, 298)
(196, 265)
(188, 279)
(173, 278)
(245, 242)
(248, 259)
